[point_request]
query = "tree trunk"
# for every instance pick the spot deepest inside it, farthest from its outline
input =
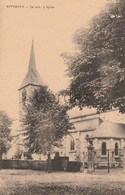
(0, 159)
(49, 163)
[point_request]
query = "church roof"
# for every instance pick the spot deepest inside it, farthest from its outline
(32, 77)
(109, 130)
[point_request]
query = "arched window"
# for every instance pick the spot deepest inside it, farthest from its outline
(24, 95)
(103, 148)
(72, 144)
(116, 148)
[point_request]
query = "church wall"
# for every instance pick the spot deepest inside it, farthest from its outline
(110, 143)
(114, 160)
(80, 152)
(83, 128)
(29, 90)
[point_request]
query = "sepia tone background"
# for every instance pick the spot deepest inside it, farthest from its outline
(52, 30)
(52, 27)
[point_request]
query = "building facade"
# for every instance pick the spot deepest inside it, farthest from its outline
(107, 140)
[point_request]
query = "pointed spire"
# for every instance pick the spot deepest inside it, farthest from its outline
(32, 77)
(32, 63)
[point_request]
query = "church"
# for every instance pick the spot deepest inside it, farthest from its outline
(106, 137)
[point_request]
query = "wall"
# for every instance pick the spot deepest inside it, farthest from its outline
(80, 153)
(81, 144)
(57, 164)
(29, 90)
(114, 160)
(24, 164)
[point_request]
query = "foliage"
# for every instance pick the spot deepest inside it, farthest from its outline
(44, 121)
(97, 70)
(5, 131)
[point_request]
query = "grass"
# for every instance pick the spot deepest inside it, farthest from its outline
(60, 189)
(27, 182)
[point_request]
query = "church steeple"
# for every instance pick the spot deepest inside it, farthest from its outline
(32, 63)
(32, 77)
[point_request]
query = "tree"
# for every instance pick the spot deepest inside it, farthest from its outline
(44, 122)
(97, 70)
(5, 133)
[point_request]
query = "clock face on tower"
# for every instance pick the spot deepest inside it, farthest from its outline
(24, 95)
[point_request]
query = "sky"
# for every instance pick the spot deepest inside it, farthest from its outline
(52, 26)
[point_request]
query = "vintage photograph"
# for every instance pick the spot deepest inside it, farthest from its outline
(62, 97)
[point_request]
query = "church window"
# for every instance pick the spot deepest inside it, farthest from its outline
(103, 148)
(72, 144)
(116, 148)
(24, 95)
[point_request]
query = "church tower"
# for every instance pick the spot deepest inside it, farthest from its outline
(31, 81)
